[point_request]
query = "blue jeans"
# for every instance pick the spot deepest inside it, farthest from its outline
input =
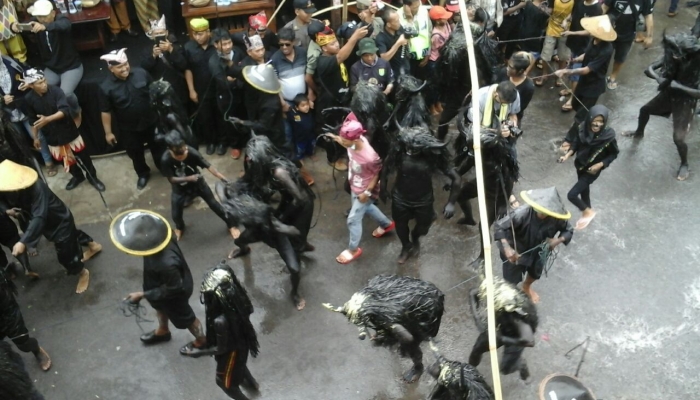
(45, 153)
(357, 212)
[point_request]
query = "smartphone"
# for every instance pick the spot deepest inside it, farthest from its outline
(24, 27)
(159, 39)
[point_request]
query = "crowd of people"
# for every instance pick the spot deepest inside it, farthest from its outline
(369, 93)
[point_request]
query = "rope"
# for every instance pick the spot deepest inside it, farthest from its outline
(520, 40)
(136, 310)
(93, 178)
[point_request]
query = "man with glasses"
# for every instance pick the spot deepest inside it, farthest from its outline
(304, 10)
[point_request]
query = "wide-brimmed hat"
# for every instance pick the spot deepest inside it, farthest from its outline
(560, 386)
(40, 8)
(366, 46)
(600, 27)
(140, 232)
(546, 201)
(263, 78)
(439, 12)
(15, 176)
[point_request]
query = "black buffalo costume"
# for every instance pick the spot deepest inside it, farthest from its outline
(457, 381)
(260, 225)
(414, 157)
(230, 334)
(516, 321)
(401, 311)
(171, 112)
(678, 76)
(9, 235)
(15, 383)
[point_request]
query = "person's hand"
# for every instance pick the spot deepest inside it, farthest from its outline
(157, 51)
(194, 178)
(563, 158)
(13, 27)
(42, 121)
(285, 106)
(37, 27)
(37, 143)
(491, 34)
(18, 249)
(360, 33)
(511, 254)
(110, 138)
(505, 131)
(193, 96)
(560, 73)
(407, 12)
(424, 62)
(647, 41)
(8, 98)
(165, 45)
(553, 243)
(566, 33)
(402, 41)
(363, 198)
(311, 103)
(13, 212)
(593, 169)
(134, 297)
(449, 211)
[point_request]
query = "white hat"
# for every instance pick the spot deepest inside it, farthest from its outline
(41, 8)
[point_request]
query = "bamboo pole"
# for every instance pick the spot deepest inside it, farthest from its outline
(352, 3)
(488, 267)
(344, 17)
(274, 14)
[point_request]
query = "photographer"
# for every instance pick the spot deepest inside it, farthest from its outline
(415, 17)
(504, 102)
(368, 17)
(392, 44)
(165, 60)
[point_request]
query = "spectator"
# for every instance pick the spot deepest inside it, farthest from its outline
(412, 15)
(11, 44)
(48, 110)
(166, 60)
(332, 80)
(534, 25)
(577, 40)
(198, 52)
(256, 56)
(125, 105)
(558, 23)
(516, 72)
(392, 44)
(257, 25)
(509, 29)
(441, 32)
(303, 9)
(62, 64)
(453, 7)
(505, 106)
(11, 73)
(370, 68)
(302, 124)
(368, 16)
(313, 52)
(494, 9)
(119, 21)
(624, 15)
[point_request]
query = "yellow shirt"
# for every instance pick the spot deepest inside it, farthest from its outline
(560, 13)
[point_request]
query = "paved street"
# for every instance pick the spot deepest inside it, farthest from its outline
(630, 281)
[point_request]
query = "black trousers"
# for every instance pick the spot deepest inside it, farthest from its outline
(206, 120)
(13, 325)
(77, 170)
(513, 273)
(402, 214)
(449, 111)
(580, 105)
(580, 194)
(70, 251)
(133, 144)
(509, 30)
(279, 242)
(511, 360)
(302, 221)
(496, 201)
(194, 190)
(232, 371)
(9, 236)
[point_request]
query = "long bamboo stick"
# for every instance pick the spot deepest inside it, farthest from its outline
(476, 125)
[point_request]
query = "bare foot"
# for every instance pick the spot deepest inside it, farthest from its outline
(83, 281)
(405, 253)
(532, 294)
(93, 248)
(299, 302)
(235, 233)
(238, 252)
(683, 173)
(32, 275)
(44, 359)
(413, 374)
(178, 234)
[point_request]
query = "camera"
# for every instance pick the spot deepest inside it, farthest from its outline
(410, 33)
(515, 131)
(370, 28)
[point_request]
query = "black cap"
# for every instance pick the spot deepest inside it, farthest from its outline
(305, 5)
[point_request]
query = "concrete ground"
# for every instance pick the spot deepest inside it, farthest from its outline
(630, 281)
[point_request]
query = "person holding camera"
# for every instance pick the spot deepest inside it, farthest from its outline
(165, 59)
(392, 43)
(415, 18)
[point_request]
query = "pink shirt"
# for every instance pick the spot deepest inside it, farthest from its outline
(364, 165)
(438, 39)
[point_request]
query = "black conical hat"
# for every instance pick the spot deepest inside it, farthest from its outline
(140, 232)
(564, 387)
(547, 201)
(263, 78)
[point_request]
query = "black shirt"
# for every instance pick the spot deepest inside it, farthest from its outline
(57, 133)
(331, 79)
(510, 4)
(170, 67)
(220, 72)
(198, 62)
(166, 275)
(49, 216)
(577, 43)
(380, 74)
(414, 182)
(173, 168)
(399, 62)
(533, 25)
(526, 89)
(597, 59)
(128, 100)
(624, 13)
(56, 46)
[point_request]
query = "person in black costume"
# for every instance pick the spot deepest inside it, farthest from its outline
(678, 76)
(12, 324)
(259, 224)
(230, 334)
(456, 380)
(595, 148)
(165, 60)
(181, 165)
(414, 157)
(516, 319)
(22, 191)
(543, 219)
(267, 172)
(15, 382)
(171, 112)
(9, 235)
(167, 280)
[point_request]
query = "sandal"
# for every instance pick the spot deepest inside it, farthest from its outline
(566, 107)
(51, 170)
(559, 83)
(564, 92)
(539, 82)
(379, 232)
(612, 83)
(583, 223)
(539, 64)
(346, 257)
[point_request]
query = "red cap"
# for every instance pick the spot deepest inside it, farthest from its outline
(452, 5)
(439, 12)
(351, 130)
(258, 21)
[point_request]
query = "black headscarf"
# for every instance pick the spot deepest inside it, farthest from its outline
(587, 137)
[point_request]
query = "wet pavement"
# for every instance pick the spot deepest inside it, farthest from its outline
(630, 281)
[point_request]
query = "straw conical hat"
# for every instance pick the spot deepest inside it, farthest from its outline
(15, 177)
(547, 201)
(263, 78)
(564, 387)
(140, 232)
(600, 27)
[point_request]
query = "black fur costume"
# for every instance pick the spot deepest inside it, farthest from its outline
(457, 381)
(230, 334)
(15, 383)
(398, 311)
(371, 107)
(410, 108)
(516, 322)
(678, 75)
(171, 113)
(415, 156)
(454, 72)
